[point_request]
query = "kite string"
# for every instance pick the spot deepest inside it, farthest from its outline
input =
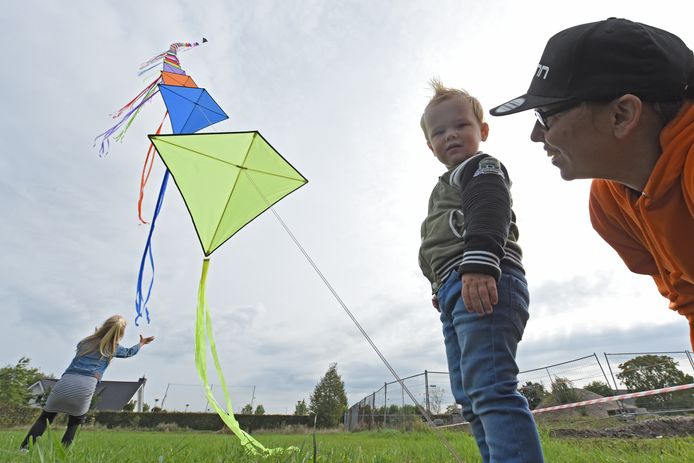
(421, 409)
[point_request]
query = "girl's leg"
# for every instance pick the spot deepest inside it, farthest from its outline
(73, 425)
(38, 428)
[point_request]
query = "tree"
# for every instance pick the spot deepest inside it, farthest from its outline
(130, 406)
(563, 391)
(259, 410)
(599, 388)
(647, 372)
(301, 409)
(435, 397)
(329, 401)
(453, 409)
(534, 393)
(15, 380)
(247, 409)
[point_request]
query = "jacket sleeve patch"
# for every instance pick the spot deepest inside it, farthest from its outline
(489, 166)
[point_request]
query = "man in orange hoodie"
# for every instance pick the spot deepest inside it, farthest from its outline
(614, 102)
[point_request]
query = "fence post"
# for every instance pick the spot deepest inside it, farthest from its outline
(373, 409)
(551, 381)
(402, 409)
(690, 358)
(603, 373)
(611, 372)
(426, 390)
(385, 404)
(620, 403)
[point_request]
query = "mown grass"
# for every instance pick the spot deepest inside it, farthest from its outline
(102, 446)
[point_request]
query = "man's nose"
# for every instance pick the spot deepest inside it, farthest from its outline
(537, 134)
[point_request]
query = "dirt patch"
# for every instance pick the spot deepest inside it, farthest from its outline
(663, 427)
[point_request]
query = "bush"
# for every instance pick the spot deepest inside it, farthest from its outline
(563, 391)
(196, 421)
(12, 415)
(18, 415)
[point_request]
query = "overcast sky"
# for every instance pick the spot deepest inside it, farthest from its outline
(338, 88)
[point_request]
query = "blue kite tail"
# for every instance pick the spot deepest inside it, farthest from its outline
(140, 302)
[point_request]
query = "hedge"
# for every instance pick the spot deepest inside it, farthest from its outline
(197, 421)
(13, 415)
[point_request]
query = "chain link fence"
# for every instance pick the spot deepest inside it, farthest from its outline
(641, 371)
(391, 406)
(567, 382)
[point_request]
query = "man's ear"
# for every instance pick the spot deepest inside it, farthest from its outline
(626, 114)
(484, 131)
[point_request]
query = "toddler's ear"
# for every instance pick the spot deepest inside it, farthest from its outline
(430, 147)
(484, 131)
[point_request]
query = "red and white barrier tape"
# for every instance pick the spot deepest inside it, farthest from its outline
(600, 400)
(616, 397)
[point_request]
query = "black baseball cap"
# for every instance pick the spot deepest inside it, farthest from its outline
(604, 60)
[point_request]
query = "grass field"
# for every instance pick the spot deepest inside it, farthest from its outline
(101, 446)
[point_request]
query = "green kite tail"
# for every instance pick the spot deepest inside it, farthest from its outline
(203, 339)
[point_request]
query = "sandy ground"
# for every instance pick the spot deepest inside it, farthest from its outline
(663, 427)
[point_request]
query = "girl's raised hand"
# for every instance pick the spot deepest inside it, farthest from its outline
(144, 341)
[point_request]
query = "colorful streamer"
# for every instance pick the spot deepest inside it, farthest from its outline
(204, 340)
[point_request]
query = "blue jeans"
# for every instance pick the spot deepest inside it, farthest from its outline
(481, 353)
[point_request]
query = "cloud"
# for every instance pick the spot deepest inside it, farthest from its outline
(338, 90)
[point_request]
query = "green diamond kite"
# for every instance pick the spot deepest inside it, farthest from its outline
(226, 179)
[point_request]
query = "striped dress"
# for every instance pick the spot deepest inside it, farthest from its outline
(72, 395)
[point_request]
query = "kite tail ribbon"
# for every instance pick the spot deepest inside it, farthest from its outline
(140, 302)
(203, 339)
(169, 57)
(131, 111)
(146, 170)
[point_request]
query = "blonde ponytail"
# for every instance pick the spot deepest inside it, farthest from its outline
(105, 339)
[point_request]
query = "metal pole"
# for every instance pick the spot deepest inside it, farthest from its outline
(253, 397)
(426, 391)
(402, 409)
(385, 404)
(207, 406)
(690, 358)
(603, 373)
(165, 393)
(620, 403)
(373, 406)
(611, 372)
(551, 381)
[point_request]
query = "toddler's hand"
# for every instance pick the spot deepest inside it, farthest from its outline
(479, 292)
(435, 302)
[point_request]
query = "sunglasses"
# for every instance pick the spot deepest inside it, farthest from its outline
(542, 115)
